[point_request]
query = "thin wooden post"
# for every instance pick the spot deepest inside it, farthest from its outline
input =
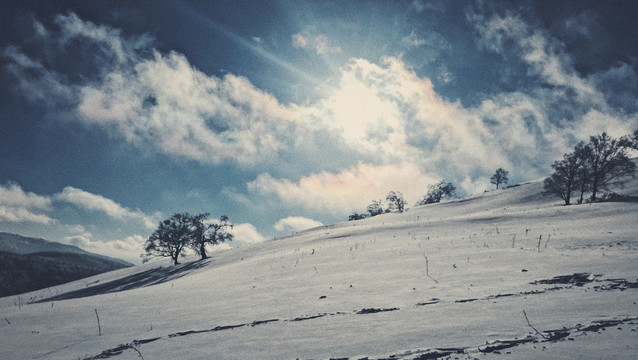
(99, 328)
(539, 242)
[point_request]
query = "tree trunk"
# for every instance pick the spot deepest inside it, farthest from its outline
(202, 250)
(594, 189)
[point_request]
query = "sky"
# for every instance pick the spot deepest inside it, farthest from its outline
(286, 115)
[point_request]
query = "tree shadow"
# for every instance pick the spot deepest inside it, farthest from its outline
(145, 278)
(620, 198)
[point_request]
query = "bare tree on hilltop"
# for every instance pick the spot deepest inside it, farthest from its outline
(598, 165)
(396, 201)
(499, 177)
(632, 140)
(566, 177)
(438, 192)
(607, 159)
(170, 238)
(210, 233)
(375, 208)
(180, 231)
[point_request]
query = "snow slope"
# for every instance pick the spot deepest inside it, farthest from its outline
(507, 271)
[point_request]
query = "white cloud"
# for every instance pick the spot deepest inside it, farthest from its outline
(595, 122)
(389, 111)
(158, 101)
(347, 190)
(93, 202)
(167, 104)
(382, 114)
(127, 249)
(16, 205)
(572, 107)
(296, 223)
(246, 234)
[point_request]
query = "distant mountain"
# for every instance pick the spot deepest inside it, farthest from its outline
(28, 264)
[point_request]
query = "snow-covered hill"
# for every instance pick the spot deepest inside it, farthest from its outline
(508, 271)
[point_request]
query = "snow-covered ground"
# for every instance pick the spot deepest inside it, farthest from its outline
(504, 272)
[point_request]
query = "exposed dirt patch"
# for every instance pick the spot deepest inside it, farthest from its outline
(373, 310)
(118, 350)
(429, 302)
(618, 284)
(465, 300)
(504, 344)
(309, 317)
(577, 279)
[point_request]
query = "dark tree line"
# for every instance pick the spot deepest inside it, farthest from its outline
(182, 231)
(395, 203)
(596, 166)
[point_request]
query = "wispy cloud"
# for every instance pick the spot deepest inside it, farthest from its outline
(544, 54)
(562, 90)
(16, 205)
(93, 202)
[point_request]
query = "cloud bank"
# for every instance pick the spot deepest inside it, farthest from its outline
(382, 127)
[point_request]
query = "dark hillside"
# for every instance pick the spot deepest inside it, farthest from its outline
(20, 273)
(28, 264)
(18, 244)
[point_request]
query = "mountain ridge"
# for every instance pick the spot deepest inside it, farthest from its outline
(28, 264)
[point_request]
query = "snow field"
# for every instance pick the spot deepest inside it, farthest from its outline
(365, 289)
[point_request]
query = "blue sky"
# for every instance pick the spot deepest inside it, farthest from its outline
(285, 114)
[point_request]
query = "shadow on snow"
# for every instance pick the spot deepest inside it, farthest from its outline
(146, 278)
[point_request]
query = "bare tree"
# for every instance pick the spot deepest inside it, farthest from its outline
(564, 180)
(396, 201)
(499, 177)
(631, 141)
(170, 238)
(438, 192)
(356, 216)
(581, 152)
(375, 208)
(608, 163)
(206, 232)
